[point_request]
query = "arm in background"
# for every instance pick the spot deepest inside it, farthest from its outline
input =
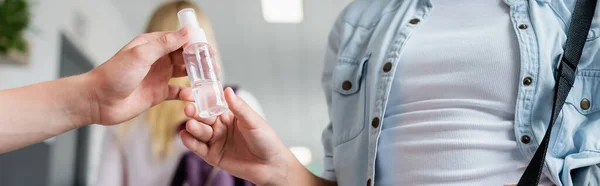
(130, 82)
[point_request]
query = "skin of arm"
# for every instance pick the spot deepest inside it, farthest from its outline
(133, 80)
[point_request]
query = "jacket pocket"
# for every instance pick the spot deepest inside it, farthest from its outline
(580, 117)
(348, 101)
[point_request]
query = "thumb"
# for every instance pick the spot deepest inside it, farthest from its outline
(162, 45)
(242, 111)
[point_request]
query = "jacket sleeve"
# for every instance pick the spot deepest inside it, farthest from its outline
(327, 138)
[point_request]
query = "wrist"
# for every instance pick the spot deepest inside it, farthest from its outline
(293, 173)
(84, 103)
(284, 171)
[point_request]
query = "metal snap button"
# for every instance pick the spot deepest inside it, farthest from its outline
(414, 21)
(387, 67)
(525, 139)
(375, 122)
(527, 81)
(347, 85)
(523, 26)
(585, 104)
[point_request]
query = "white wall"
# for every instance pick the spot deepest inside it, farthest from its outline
(104, 32)
(44, 47)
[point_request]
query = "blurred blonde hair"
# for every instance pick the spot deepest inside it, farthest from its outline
(164, 118)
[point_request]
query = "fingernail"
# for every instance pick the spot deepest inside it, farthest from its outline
(232, 92)
(189, 125)
(232, 96)
(182, 32)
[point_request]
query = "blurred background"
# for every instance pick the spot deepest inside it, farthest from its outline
(272, 48)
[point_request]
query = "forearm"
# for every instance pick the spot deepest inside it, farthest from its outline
(33, 113)
(305, 177)
(298, 175)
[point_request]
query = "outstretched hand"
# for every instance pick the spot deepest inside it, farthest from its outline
(239, 142)
(136, 78)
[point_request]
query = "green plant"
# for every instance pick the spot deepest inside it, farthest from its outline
(14, 19)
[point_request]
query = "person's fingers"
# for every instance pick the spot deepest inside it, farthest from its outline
(212, 51)
(199, 130)
(186, 94)
(227, 117)
(142, 39)
(176, 91)
(179, 71)
(242, 110)
(177, 57)
(198, 147)
(190, 111)
(152, 50)
(218, 69)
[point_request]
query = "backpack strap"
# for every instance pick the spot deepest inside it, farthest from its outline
(180, 172)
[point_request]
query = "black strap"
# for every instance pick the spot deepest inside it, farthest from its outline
(577, 35)
(180, 173)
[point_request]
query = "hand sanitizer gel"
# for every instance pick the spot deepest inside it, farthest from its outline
(200, 65)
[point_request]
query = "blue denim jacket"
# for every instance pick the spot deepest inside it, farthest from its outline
(371, 33)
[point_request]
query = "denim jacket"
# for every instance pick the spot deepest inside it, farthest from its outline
(368, 38)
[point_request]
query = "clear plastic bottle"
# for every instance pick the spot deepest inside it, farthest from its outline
(201, 68)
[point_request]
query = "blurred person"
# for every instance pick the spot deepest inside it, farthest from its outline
(434, 92)
(147, 150)
(124, 86)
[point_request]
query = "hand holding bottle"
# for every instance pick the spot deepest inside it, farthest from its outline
(127, 84)
(238, 141)
(135, 78)
(242, 143)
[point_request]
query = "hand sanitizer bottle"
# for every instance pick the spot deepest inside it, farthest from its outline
(200, 65)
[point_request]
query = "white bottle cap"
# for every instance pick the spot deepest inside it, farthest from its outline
(187, 18)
